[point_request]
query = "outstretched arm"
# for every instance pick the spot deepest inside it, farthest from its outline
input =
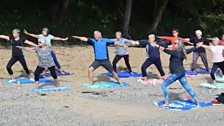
(30, 43)
(60, 39)
(119, 44)
(30, 34)
(26, 48)
(4, 37)
(81, 38)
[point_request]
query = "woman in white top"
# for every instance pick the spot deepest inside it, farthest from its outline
(217, 56)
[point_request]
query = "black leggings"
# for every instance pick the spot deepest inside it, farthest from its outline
(148, 62)
(39, 70)
(13, 60)
(126, 59)
(215, 67)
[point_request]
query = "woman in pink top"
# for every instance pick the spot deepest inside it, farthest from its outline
(217, 56)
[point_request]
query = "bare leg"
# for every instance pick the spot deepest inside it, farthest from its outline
(145, 78)
(37, 84)
(116, 77)
(57, 83)
(30, 76)
(12, 77)
(90, 75)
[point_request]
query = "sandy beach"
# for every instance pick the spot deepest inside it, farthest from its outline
(125, 106)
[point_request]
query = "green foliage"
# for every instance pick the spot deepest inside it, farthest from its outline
(82, 17)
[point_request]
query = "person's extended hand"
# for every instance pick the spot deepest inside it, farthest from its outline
(20, 47)
(65, 39)
(25, 31)
(125, 46)
(155, 45)
(199, 44)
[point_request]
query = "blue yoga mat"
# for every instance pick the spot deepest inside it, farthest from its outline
(124, 74)
(50, 89)
(199, 71)
(182, 105)
(190, 72)
(28, 81)
(105, 85)
(57, 72)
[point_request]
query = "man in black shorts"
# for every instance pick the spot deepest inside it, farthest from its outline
(101, 54)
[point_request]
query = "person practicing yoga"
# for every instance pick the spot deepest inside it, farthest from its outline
(45, 60)
(121, 52)
(17, 54)
(200, 52)
(101, 54)
(152, 56)
(48, 38)
(177, 70)
(173, 38)
(217, 56)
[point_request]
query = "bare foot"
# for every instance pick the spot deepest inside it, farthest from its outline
(37, 86)
(197, 103)
(165, 105)
(119, 82)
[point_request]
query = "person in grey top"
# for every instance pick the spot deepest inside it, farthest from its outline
(121, 52)
(48, 37)
(45, 60)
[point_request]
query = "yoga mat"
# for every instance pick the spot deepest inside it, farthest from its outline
(190, 72)
(50, 89)
(27, 81)
(124, 74)
(151, 81)
(216, 85)
(105, 85)
(182, 105)
(199, 71)
(48, 74)
(219, 79)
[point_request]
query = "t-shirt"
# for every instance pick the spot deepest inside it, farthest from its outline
(195, 41)
(173, 39)
(100, 47)
(121, 50)
(16, 51)
(47, 38)
(217, 53)
(45, 58)
(151, 52)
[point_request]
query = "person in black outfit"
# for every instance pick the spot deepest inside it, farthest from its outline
(200, 52)
(17, 54)
(177, 70)
(153, 56)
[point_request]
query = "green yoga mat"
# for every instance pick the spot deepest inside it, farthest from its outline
(219, 79)
(217, 85)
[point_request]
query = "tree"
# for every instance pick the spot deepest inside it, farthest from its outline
(158, 11)
(64, 11)
(126, 19)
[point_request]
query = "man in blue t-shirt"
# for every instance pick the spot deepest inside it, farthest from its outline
(101, 54)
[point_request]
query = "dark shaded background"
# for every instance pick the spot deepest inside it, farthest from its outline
(82, 17)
